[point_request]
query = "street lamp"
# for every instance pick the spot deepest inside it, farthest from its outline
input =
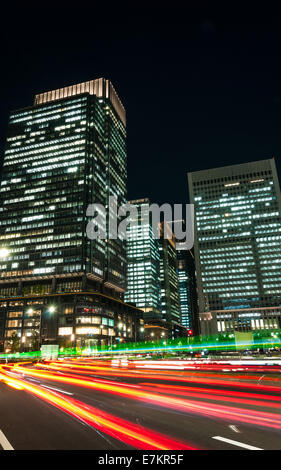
(50, 309)
(72, 340)
(164, 343)
(22, 343)
(4, 252)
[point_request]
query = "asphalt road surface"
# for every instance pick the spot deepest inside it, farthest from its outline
(104, 405)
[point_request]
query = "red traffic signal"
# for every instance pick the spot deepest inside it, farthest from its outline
(189, 332)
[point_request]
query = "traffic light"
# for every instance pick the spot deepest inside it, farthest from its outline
(190, 332)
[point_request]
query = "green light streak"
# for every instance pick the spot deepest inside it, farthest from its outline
(263, 340)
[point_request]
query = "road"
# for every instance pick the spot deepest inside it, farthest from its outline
(103, 405)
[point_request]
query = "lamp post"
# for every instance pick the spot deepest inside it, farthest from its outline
(141, 330)
(120, 326)
(23, 343)
(72, 340)
(48, 323)
(4, 252)
(164, 342)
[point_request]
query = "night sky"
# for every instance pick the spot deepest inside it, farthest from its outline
(202, 89)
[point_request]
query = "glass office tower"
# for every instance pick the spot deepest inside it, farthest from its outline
(237, 236)
(187, 290)
(143, 271)
(187, 282)
(170, 301)
(63, 153)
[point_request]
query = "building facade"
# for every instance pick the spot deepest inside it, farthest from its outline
(143, 258)
(81, 319)
(188, 290)
(63, 153)
(170, 300)
(237, 236)
(241, 320)
(161, 330)
(187, 282)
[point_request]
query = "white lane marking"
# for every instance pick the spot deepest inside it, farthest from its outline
(4, 442)
(234, 428)
(34, 380)
(57, 389)
(236, 443)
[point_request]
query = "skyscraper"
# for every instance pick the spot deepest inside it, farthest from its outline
(152, 275)
(237, 236)
(187, 290)
(170, 302)
(187, 282)
(63, 153)
(143, 271)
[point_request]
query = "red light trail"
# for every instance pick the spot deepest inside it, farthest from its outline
(129, 433)
(240, 405)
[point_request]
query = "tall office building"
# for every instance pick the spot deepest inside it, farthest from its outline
(187, 282)
(170, 301)
(63, 153)
(152, 276)
(188, 290)
(143, 270)
(237, 239)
